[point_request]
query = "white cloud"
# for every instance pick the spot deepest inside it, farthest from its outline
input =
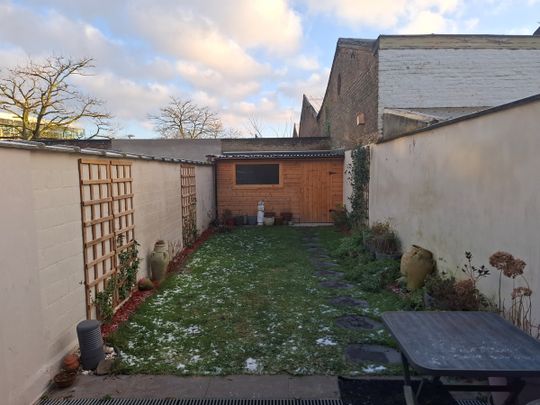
(428, 22)
(305, 62)
(386, 14)
(313, 87)
(213, 81)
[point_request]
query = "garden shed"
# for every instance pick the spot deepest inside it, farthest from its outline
(308, 184)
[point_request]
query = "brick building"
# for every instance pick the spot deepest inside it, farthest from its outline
(403, 82)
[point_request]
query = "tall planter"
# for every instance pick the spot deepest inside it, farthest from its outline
(159, 260)
(416, 264)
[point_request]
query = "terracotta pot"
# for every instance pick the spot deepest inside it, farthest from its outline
(159, 260)
(65, 379)
(416, 264)
(71, 362)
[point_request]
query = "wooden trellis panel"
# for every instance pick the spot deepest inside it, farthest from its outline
(107, 214)
(189, 204)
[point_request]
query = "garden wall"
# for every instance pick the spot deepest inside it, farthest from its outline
(470, 185)
(42, 294)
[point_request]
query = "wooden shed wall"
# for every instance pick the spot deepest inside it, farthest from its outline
(309, 189)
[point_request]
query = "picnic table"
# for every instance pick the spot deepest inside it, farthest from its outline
(463, 344)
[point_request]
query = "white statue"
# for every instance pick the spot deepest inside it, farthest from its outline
(260, 212)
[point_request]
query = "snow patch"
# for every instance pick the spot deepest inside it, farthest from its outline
(326, 341)
(373, 369)
(252, 365)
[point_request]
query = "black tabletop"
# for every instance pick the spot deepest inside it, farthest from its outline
(479, 344)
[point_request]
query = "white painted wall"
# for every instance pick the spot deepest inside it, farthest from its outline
(158, 207)
(471, 186)
(41, 295)
(41, 298)
(206, 199)
(425, 78)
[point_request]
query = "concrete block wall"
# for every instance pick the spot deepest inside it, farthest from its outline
(206, 197)
(427, 78)
(42, 294)
(158, 207)
(41, 261)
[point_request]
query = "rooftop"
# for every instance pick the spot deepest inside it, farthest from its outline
(282, 155)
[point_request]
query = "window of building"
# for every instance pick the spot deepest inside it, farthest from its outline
(251, 174)
(360, 118)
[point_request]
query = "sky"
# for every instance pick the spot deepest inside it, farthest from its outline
(247, 60)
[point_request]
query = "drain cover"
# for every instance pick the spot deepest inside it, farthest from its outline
(209, 401)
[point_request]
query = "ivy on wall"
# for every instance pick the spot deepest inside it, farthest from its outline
(359, 177)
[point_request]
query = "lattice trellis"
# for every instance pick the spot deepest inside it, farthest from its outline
(106, 189)
(189, 204)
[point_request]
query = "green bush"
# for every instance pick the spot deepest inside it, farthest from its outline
(350, 246)
(375, 275)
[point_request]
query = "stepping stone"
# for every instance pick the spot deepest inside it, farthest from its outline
(311, 245)
(358, 353)
(329, 273)
(327, 264)
(357, 322)
(335, 284)
(349, 302)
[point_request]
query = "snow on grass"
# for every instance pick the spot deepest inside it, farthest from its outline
(373, 369)
(252, 365)
(326, 341)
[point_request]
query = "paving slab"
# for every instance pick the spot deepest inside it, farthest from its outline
(314, 387)
(357, 322)
(249, 387)
(361, 353)
(335, 284)
(324, 264)
(329, 273)
(348, 301)
(134, 386)
(229, 387)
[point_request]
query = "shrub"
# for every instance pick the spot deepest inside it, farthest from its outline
(376, 275)
(447, 294)
(381, 238)
(350, 246)
(340, 217)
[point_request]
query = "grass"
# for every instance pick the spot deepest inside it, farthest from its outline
(249, 303)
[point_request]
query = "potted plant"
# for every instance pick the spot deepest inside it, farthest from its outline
(382, 241)
(287, 217)
(269, 218)
(239, 220)
(227, 218)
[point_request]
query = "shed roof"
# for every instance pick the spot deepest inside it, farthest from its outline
(311, 154)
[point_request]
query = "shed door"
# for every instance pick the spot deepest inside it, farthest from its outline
(322, 190)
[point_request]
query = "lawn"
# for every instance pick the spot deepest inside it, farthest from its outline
(249, 302)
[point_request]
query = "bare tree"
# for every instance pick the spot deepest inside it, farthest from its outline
(254, 129)
(41, 97)
(183, 119)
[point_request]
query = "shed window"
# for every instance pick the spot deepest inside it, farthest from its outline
(257, 174)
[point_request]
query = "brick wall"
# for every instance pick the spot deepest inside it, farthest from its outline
(352, 89)
(274, 144)
(308, 120)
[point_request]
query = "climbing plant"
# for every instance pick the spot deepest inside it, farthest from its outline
(119, 285)
(358, 173)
